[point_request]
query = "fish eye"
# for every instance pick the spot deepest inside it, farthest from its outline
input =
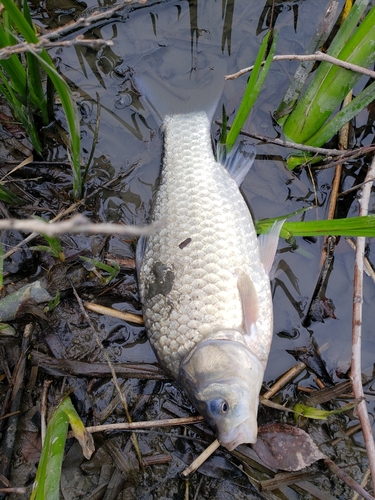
(218, 406)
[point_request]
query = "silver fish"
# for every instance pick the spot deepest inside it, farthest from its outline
(203, 275)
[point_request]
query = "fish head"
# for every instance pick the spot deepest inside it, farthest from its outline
(223, 379)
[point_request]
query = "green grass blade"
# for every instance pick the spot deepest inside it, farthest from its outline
(34, 73)
(253, 88)
(331, 83)
(353, 226)
(63, 90)
(47, 481)
(348, 26)
(18, 109)
(13, 67)
(305, 67)
(332, 126)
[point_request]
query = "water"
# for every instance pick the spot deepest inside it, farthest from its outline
(127, 142)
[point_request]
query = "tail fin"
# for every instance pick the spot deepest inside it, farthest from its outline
(172, 81)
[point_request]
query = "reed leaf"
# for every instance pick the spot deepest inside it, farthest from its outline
(353, 226)
(47, 481)
(253, 87)
(330, 83)
(62, 88)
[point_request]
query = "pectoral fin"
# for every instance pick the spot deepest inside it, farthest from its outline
(139, 253)
(268, 245)
(250, 305)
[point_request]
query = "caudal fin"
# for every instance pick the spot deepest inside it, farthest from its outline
(172, 81)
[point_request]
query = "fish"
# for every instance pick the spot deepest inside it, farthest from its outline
(203, 274)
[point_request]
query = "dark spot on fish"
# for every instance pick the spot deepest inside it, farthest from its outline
(184, 243)
(163, 280)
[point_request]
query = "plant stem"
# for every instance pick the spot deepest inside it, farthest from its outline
(356, 369)
(317, 56)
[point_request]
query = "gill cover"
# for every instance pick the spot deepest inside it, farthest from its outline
(223, 380)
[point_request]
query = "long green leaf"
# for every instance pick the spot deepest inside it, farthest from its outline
(332, 126)
(253, 88)
(18, 108)
(353, 226)
(47, 481)
(34, 73)
(331, 83)
(62, 89)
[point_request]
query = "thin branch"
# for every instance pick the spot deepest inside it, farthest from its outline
(78, 224)
(85, 21)
(67, 211)
(356, 370)
(10, 50)
(341, 153)
(317, 56)
(134, 438)
(169, 422)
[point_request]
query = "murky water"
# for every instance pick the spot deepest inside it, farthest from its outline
(128, 142)
(125, 139)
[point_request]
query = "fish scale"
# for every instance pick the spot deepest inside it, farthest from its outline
(198, 200)
(203, 275)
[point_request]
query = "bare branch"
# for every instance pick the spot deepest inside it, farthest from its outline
(317, 56)
(84, 21)
(7, 52)
(78, 224)
(356, 370)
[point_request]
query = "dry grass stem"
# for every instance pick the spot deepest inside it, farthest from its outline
(285, 379)
(356, 369)
(109, 311)
(43, 409)
(201, 459)
(78, 224)
(367, 266)
(317, 56)
(7, 52)
(169, 422)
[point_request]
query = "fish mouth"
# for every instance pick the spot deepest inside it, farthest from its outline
(245, 432)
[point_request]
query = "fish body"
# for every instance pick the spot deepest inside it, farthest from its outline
(205, 291)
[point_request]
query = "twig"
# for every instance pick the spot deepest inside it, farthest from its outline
(288, 144)
(114, 313)
(84, 21)
(17, 491)
(365, 478)
(10, 50)
(43, 409)
(134, 438)
(347, 479)
(317, 56)
(201, 459)
(64, 213)
(66, 367)
(356, 370)
(287, 377)
(343, 155)
(76, 225)
(343, 145)
(168, 422)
